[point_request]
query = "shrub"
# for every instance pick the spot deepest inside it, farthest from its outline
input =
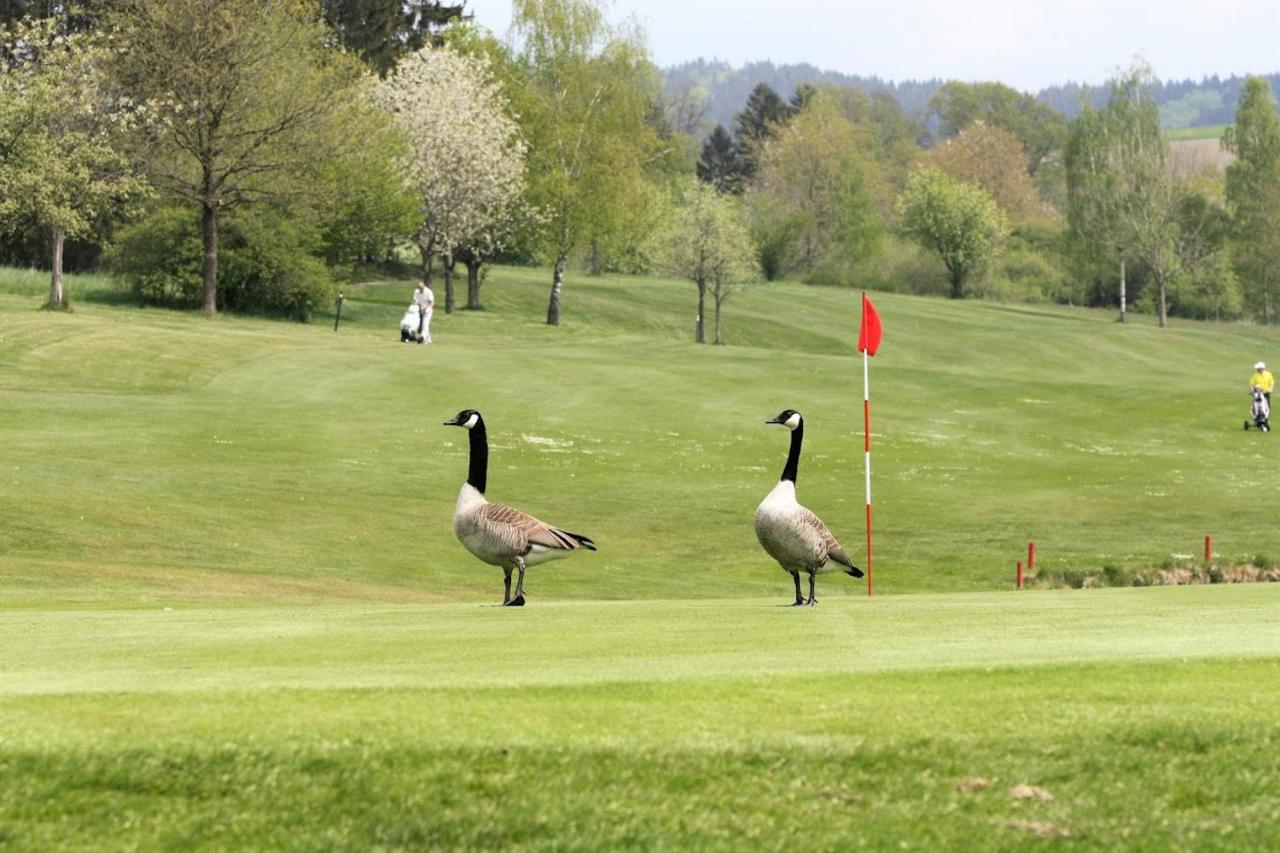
(160, 257)
(267, 261)
(268, 266)
(1117, 576)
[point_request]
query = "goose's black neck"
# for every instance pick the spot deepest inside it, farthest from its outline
(479, 469)
(792, 467)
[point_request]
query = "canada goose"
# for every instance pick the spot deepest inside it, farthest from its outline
(500, 535)
(793, 535)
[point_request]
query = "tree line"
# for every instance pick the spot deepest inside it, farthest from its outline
(721, 88)
(242, 154)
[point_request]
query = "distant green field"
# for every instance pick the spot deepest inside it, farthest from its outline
(233, 613)
(1183, 134)
(157, 456)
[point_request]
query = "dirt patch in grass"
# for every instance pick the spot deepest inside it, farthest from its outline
(1040, 828)
(1030, 792)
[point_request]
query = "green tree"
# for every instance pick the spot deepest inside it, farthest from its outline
(367, 208)
(1040, 129)
(384, 31)
(709, 243)
(246, 102)
(817, 184)
(1205, 286)
(1122, 192)
(60, 166)
(1253, 191)
(992, 158)
(584, 101)
(958, 221)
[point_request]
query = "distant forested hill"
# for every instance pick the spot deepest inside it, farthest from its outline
(723, 90)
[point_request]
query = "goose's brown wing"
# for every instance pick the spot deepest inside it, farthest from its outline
(832, 548)
(523, 531)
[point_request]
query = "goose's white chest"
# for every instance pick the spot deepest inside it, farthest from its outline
(469, 529)
(780, 530)
(781, 501)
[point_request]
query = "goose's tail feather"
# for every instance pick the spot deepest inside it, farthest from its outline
(584, 541)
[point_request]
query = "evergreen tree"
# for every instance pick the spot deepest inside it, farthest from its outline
(382, 31)
(721, 162)
(802, 96)
(758, 122)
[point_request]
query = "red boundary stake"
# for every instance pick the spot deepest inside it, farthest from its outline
(1019, 574)
(1031, 556)
(1208, 548)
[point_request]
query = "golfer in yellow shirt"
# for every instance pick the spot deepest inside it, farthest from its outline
(1263, 379)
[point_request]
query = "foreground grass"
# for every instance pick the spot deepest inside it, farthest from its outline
(1142, 719)
(233, 615)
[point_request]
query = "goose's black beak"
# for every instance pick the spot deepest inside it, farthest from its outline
(454, 422)
(776, 420)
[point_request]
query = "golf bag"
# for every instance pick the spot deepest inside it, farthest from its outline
(409, 325)
(1259, 412)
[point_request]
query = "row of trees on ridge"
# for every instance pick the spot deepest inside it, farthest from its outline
(239, 154)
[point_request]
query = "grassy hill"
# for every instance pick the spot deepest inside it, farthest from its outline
(155, 455)
(233, 613)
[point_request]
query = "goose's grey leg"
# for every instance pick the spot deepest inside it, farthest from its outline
(795, 576)
(518, 601)
(812, 601)
(506, 595)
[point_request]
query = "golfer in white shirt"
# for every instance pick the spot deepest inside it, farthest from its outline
(426, 302)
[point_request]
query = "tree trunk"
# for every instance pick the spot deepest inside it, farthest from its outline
(699, 336)
(1266, 302)
(473, 283)
(957, 285)
(428, 263)
(719, 328)
(1163, 307)
(557, 282)
(1122, 317)
(597, 264)
(56, 294)
(448, 282)
(209, 271)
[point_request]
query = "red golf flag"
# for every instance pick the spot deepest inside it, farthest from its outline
(869, 334)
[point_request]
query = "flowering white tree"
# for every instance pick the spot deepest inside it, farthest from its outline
(466, 155)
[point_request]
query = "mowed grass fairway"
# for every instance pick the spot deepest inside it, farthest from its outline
(233, 614)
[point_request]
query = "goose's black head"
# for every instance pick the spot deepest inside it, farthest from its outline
(789, 418)
(466, 418)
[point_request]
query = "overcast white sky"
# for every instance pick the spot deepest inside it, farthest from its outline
(1028, 44)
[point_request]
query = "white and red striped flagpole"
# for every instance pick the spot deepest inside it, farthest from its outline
(869, 332)
(866, 448)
